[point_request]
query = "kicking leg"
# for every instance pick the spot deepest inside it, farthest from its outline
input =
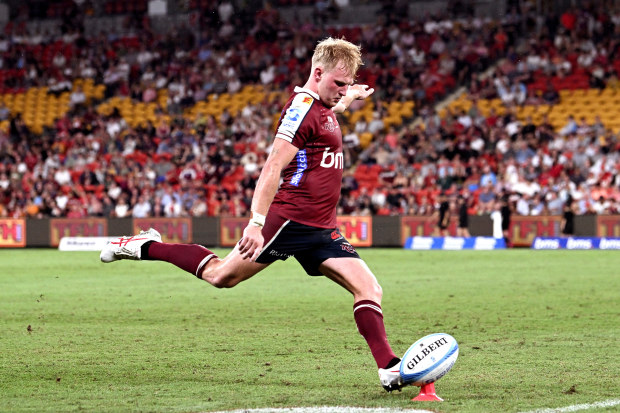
(354, 275)
(193, 258)
(204, 264)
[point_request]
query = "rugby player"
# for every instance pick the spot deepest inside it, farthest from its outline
(296, 218)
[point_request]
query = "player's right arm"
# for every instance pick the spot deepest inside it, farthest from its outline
(291, 135)
(281, 155)
(354, 92)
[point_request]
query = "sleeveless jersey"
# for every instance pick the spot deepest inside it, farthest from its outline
(311, 183)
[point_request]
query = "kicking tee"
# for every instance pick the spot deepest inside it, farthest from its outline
(311, 183)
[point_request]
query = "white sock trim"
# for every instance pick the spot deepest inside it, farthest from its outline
(371, 306)
(204, 262)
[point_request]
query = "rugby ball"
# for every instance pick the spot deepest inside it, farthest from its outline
(429, 359)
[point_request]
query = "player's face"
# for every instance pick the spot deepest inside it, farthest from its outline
(333, 85)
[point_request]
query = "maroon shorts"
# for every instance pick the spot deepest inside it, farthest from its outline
(309, 245)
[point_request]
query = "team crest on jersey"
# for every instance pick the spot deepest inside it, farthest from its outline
(330, 125)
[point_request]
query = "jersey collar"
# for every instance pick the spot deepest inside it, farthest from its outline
(308, 91)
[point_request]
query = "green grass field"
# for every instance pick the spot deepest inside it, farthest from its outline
(536, 329)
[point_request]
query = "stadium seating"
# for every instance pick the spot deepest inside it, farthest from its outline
(405, 102)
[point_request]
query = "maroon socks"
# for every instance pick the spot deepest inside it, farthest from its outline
(189, 257)
(369, 320)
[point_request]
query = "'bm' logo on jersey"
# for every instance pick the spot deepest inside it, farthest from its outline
(332, 160)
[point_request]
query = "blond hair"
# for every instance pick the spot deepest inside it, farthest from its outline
(331, 53)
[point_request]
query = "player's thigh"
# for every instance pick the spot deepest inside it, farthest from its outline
(354, 275)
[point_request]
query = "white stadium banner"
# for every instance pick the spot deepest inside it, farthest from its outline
(83, 243)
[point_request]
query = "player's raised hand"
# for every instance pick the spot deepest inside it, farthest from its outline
(359, 91)
(354, 92)
(251, 244)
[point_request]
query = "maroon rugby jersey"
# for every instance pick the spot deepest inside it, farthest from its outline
(311, 183)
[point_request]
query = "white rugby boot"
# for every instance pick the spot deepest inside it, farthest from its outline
(391, 379)
(128, 248)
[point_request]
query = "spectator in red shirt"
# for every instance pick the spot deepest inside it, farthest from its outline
(569, 19)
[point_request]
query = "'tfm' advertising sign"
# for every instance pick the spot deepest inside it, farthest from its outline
(12, 233)
(357, 230)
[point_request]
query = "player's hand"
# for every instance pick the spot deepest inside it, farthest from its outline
(359, 91)
(354, 92)
(251, 244)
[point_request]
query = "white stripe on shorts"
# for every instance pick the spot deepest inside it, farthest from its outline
(274, 236)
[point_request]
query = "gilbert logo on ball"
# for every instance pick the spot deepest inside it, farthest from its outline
(429, 359)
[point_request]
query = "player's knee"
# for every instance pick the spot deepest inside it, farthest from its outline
(223, 281)
(377, 292)
(372, 292)
(218, 278)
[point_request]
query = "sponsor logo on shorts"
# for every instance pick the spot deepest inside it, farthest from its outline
(279, 254)
(336, 235)
(347, 247)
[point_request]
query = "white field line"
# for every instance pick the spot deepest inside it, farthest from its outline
(348, 409)
(576, 407)
(327, 409)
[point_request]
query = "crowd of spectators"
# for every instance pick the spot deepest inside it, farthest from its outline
(89, 164)
(540, 167)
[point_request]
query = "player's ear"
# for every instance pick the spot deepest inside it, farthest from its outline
(318, 72)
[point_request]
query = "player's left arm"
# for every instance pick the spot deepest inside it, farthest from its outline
(354, 92)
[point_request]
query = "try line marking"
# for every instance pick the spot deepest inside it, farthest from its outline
(576, 407)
